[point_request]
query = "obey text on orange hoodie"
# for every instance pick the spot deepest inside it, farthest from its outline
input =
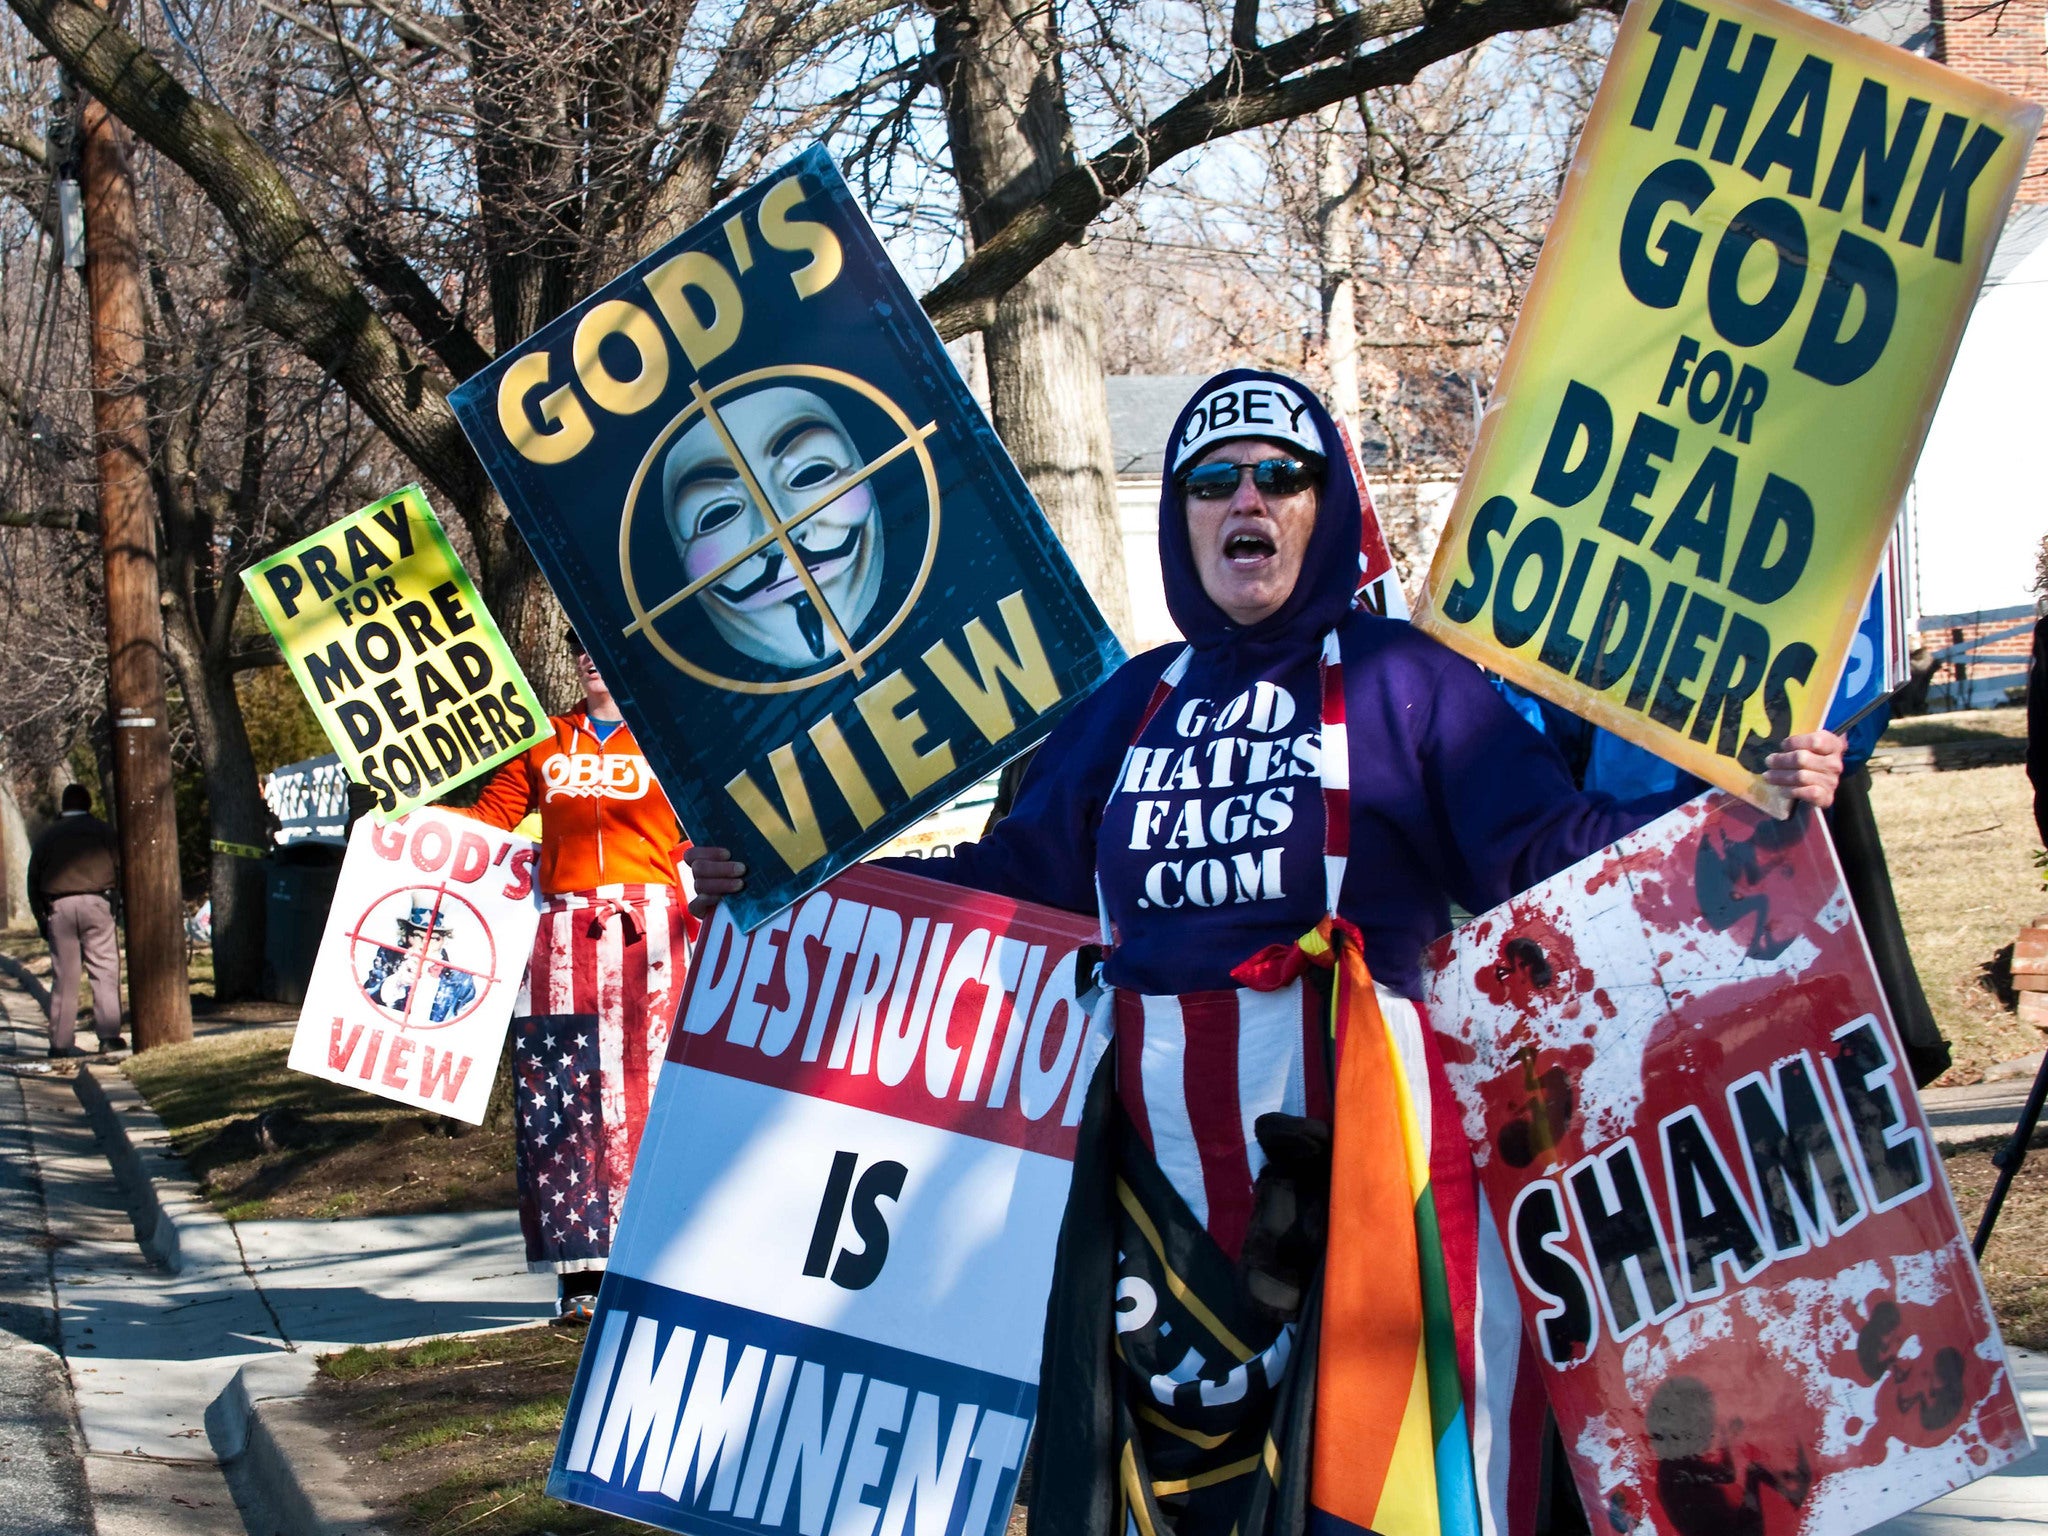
(604, 820)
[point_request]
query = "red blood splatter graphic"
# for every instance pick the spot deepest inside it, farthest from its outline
(1852, 1372)
(1535, 966)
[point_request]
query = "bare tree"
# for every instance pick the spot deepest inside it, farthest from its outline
(596, 129)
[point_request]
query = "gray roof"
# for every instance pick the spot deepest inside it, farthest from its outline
(2026, 229)
(1907, 24)
(1142, 408)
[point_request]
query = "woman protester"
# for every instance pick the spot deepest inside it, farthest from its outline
(1247, 1322)
(591, 1024)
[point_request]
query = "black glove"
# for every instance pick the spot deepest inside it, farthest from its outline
(1290, 1221)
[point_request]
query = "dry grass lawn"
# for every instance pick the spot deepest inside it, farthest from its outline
(1960, 846)
(332, 1151)
(457, 1435)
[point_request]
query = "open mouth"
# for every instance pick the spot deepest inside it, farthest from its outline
(1248, 548)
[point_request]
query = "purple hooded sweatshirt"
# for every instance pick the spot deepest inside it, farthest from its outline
(1210, 844)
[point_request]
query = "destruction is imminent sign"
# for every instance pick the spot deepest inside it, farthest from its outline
(403, 665)
(1751, 1301)
(432, 923)
(829, 1284)
(1771, 237)
(813, 579)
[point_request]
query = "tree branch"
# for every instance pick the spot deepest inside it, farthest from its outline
(395, 277)
(414, 29)
(299, 290)
(49, 517)
(1244, 26)
(1249, 92)
(31, 146)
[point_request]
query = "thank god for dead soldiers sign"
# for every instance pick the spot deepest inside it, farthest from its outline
(403, 665)
(813, 579)
(1750, 1298)
(1771, 237)
(827, 1293)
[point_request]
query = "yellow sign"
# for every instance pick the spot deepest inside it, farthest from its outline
(1769, 242)
(403, 665)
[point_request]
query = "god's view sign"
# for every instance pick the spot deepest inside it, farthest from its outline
(1771, 237)
(404, 667)
(813, 579)
(420, 963)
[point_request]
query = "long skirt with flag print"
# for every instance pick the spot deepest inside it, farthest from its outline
(590, 1031)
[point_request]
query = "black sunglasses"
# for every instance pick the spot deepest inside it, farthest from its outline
(1275, 477)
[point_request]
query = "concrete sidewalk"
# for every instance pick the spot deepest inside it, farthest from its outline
(153, 1341)
(1983, 1113)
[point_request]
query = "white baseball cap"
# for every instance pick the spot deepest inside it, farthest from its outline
(1249, 408)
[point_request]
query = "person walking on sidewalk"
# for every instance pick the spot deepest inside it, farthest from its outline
(591, 1025)
(72, 875)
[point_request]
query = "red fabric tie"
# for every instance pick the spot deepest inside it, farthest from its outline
(605, 908)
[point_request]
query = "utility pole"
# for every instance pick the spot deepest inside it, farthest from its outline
(160, 1001)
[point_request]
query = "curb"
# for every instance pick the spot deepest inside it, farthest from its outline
(287, 1476)
(147, 1170)
(27, 980)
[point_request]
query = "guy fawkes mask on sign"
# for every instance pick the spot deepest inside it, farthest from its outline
(797, 449)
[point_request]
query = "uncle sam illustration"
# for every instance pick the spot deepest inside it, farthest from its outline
(422, 940)
(795, 448)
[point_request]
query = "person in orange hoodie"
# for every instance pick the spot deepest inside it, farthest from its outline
(592, 1022)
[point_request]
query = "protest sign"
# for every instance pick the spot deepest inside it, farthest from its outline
(309, 800)
(1748, 1292)
(814, 581)
(1771, 236)
(830, 1277)
(1877, 661)
(432, 921)
(402, 663)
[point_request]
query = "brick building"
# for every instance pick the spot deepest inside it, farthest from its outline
(2003, 43)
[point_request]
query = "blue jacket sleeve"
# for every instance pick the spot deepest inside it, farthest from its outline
(1504, 811)
(1044, 850)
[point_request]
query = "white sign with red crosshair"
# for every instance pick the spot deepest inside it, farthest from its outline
(432, 922)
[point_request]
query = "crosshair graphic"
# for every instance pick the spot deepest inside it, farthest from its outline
(418, 962)
(778, 537)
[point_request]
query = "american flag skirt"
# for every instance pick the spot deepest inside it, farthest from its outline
(590, 1030)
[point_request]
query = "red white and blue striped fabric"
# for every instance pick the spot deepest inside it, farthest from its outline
(617, 955)
(1197, 1070)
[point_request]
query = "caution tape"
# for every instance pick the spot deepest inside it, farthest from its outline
(240, 850)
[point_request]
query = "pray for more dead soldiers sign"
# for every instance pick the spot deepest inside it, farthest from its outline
(401, 662)
(1771, 237)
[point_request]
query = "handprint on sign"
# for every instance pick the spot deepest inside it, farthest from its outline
(1542, 1125)
(1932, 1390)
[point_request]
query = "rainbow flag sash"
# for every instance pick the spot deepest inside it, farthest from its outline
(1393, 1447)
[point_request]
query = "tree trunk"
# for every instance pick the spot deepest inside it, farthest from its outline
(234, 809)
(1051, 408)
(1011, 138)
(524, 606)
(1334, 207)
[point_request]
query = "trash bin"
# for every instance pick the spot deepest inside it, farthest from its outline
(298, 885)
